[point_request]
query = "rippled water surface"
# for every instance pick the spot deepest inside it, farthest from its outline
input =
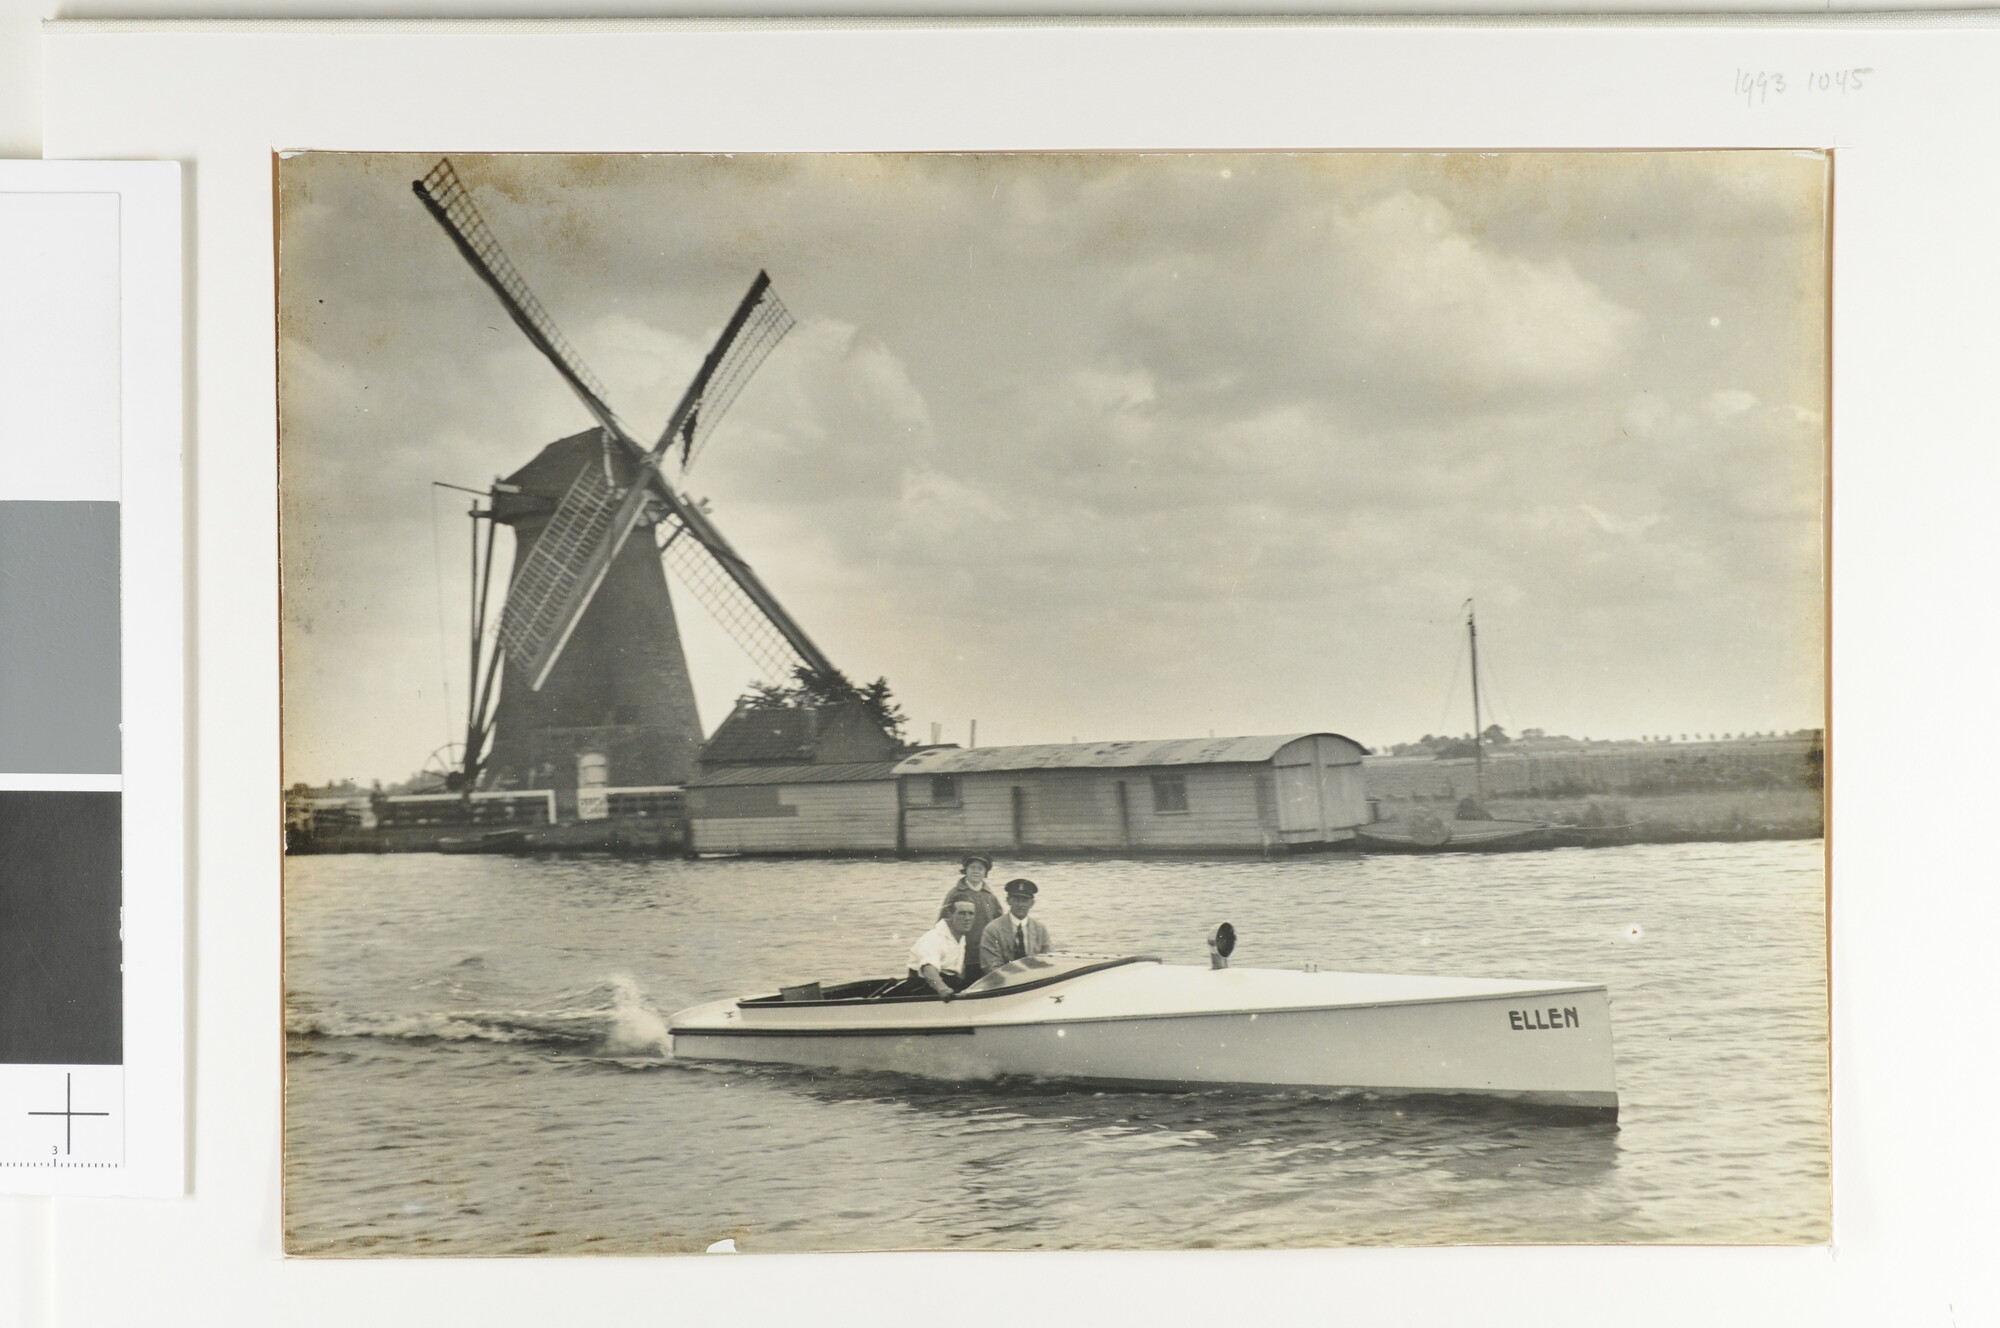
(477, 1061)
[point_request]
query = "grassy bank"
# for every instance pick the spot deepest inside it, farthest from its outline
(1660, 818)
(1784, 813)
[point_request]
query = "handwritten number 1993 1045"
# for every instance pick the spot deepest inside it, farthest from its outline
(1758, 86)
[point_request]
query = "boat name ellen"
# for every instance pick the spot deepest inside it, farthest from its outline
(1528, 1021)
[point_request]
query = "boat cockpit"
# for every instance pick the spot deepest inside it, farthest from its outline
(1021, 975)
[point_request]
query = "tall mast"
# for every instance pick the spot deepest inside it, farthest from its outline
(1478, 729)
(474, 606)
(478, 698)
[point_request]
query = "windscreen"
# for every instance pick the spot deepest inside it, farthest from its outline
(1043, 967)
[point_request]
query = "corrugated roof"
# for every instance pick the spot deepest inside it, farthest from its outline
(1099, 755)
(845, 772)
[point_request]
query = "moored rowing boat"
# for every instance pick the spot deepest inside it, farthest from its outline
(1434, 835)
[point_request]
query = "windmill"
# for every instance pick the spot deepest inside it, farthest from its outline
(587, 653)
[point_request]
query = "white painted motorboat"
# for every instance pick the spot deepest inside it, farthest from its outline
(1135, 1022)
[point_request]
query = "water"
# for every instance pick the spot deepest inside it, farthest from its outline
(477, 1065)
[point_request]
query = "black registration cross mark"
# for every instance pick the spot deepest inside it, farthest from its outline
(68, 1113)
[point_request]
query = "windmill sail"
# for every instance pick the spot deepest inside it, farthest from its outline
(760, 323)
(593, 520)
(720, 588)
(451, 204)
(574, 553)
(561, 570)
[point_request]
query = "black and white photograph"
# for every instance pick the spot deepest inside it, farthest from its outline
(842, 702)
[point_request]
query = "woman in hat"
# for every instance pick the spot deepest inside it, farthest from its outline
(972, 885)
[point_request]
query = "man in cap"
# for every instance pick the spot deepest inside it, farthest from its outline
(938, 957)
(1014, 935)
(986, 905)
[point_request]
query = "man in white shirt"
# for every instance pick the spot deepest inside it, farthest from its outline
(938, 957)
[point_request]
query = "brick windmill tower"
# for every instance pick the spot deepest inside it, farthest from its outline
(592, 683)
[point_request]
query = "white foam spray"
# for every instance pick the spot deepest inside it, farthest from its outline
(636, 1028)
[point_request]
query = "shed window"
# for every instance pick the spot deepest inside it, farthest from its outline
(1170, 793)
(944, 790)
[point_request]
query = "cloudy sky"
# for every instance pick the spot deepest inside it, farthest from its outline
(1105, 446)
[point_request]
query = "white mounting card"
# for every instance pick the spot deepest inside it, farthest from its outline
(1916, 279)
(92, 1002)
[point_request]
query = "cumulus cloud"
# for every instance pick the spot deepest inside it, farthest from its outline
(1110, 446)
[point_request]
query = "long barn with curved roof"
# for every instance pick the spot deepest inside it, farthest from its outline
(1186, 795)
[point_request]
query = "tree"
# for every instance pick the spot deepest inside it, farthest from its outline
(810, 689)
(1495, 735)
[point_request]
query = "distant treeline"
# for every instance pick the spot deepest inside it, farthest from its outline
(1793, 761)
(1497, 739)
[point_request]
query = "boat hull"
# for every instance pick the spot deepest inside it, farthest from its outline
(1547, 1048)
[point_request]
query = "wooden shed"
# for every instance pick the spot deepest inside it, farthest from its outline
(1192, 795)
(841, 807)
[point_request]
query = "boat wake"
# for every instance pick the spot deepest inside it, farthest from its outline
(613, 1019)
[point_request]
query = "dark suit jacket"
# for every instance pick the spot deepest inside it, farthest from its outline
(1001, 942)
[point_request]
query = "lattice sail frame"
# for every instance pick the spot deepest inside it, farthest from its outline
(532, 623)
(447, 195)
(766, 325)
(698, 568)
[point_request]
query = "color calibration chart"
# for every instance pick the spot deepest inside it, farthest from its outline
(92, 1003)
